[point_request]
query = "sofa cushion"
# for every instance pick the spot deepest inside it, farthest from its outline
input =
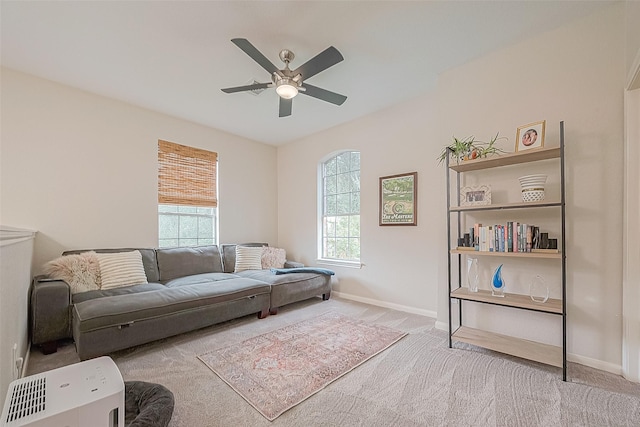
(149, 261)
(288, 288)
(125, 309)
(277, 279)
(180, 262)
(198, 278)
(229, 254)
(121, 269)
(126, 290)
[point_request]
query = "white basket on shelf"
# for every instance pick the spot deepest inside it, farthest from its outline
(533, 187)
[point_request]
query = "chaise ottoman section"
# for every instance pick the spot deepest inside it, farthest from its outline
(111, 323)
(292, 287)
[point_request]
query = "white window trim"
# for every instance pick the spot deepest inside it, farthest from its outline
(340, 263)
(214, 216)
(319, 216)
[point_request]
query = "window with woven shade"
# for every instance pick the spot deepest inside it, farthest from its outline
(187, 195)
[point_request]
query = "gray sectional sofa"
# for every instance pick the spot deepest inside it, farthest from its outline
(188, 289)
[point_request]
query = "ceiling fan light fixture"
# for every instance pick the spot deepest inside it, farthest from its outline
(287, 82)
(286, 89)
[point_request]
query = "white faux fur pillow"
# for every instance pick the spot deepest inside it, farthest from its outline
(81, 271)
(248, 258)
(273, 257)
(121, 269)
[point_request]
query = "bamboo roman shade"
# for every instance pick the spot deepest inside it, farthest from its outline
(186, 175)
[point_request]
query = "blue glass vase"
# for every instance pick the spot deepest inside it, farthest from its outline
(497, 283)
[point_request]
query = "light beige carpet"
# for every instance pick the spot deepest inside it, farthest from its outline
(418, 381)
(275, 371)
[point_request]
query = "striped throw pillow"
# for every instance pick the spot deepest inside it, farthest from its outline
(248, 258)
(121, 269)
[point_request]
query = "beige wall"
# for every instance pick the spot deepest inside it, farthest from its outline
(16, 252)
(632, 47)
(575, 74)
(400, 262)
(82, 170)
(631, 231)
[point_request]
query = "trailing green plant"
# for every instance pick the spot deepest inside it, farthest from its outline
(459, 148)
(470, 148)
(486, 148)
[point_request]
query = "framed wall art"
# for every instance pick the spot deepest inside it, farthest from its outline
(530, 136)
(399, 199)
(475, 196)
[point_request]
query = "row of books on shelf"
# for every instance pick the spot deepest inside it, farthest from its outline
(511, 237)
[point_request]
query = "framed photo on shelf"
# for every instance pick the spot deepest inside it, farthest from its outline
(475, 196)
(399, 199)
(530, 136)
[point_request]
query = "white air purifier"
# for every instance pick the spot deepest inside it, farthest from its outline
(86, 394)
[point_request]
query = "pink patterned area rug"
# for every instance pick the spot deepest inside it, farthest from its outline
(277, 370)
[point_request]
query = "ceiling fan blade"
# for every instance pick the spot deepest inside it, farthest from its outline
(325, 59)
(247, 87)
(285, 107)
(323, 94)
(256, 55)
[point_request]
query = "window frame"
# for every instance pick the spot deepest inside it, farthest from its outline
(187, 179)
(321, 258)
(180, 215)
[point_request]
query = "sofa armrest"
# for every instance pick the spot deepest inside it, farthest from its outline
(293, 264)
(49, 311)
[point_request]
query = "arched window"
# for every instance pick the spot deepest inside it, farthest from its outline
(340, 207)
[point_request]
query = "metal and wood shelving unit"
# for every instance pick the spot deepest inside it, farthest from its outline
(539, 352)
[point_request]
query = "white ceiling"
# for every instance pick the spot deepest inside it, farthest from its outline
(175, 56)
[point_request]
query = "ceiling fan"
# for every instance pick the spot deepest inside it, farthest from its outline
(289, 83)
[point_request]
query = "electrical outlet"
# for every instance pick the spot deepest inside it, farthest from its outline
(19, 362)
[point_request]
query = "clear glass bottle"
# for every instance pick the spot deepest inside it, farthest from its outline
(472, 274)
(538, 289)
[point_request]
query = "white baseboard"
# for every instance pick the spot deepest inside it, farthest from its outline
(595, 363)
(576, 358)
(443, 326)
(378, 303)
